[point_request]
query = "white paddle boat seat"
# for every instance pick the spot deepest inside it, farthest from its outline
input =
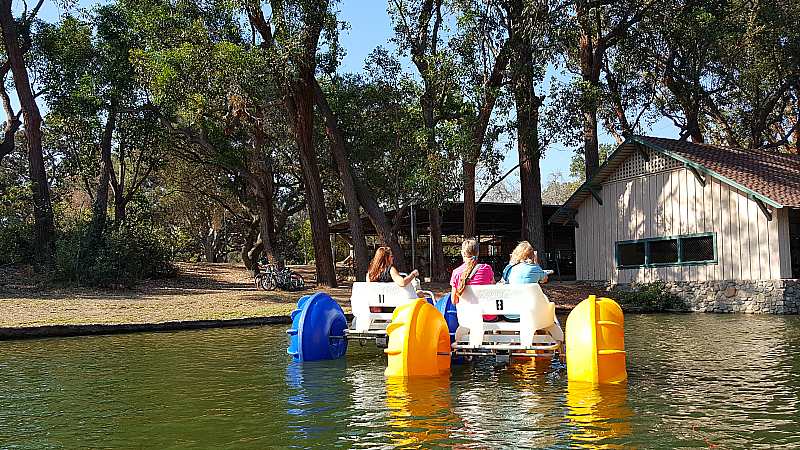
(373, 304)
(537, 328)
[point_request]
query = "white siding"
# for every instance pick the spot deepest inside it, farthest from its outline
(782, 217)
(672, 202)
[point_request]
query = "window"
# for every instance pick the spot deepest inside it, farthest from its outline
(630, 254)
(663, 252)
(693, 249)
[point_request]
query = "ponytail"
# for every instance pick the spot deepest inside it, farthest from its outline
(469, 251)
(465, 275)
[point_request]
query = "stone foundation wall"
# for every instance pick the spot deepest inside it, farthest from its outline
(736, 296)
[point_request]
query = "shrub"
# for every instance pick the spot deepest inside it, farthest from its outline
(16, 224)
(129, 254)
(650, 297)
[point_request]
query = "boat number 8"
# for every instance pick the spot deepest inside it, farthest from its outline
(499, 304)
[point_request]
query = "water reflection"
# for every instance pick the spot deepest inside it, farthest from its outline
(734, 377)
(419, 410)
(314, 394)
(597, 413)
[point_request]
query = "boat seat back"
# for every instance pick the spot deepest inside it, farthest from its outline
(534, 309)
(373, 294)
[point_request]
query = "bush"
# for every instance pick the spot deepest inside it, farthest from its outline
(16, 223)
(16, 242)
(650, 297)
(129, 254)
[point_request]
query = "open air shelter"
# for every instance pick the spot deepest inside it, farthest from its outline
(498, 226)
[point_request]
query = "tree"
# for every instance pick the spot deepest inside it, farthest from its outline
(529, 34)
(15, 33)
(487, 49)
(292, 45)
(419, 30)
(557, 190)
(600, 26)
(207, 84)
(378, 124)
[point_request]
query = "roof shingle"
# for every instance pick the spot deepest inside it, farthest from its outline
(774, 175)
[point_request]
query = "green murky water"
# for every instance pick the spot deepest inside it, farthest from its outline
(693, 380)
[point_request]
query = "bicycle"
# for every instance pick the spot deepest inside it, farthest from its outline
(260, 280)
(285, 279)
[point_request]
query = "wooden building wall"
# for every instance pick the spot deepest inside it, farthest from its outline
(661, 198)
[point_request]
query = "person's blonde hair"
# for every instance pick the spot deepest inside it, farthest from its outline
(470, 249)
(379, 263)
(523, 252)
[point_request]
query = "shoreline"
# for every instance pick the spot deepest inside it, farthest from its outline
(202, 295)
(100, 329)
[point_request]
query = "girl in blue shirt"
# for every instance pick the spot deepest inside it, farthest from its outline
(523, 267)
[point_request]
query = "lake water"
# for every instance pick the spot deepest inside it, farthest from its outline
(693, 380)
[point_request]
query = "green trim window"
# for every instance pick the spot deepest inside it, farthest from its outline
(687, 250)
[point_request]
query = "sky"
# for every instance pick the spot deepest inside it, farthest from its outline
(371, 26)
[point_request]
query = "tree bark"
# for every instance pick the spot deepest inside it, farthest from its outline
(42, 208)
(531, 184)
(348, 185)
(380, 222)
(490, 93)
(300, 106)
(249, 255)
(470, 207)
(439, 270)
(13, 123)
(591, 144)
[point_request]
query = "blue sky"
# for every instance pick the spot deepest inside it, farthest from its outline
(370, 26)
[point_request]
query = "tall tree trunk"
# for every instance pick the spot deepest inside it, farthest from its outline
(591, 144)
(380, 222)
(531, 179)
(97, 226)
(470, 208)
(266, 225)
(249, 255)
(591, 60)
(42, 208)
(118, 183)
(594, 41)
(13, 123)
(439, 270)
(528, 145)
(263, 184)
(300, 105)
(100, 207)
(491, 90)
(348, 185)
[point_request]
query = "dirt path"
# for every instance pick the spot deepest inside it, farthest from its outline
(200, 291)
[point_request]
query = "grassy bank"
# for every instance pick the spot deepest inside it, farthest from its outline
(201, 291)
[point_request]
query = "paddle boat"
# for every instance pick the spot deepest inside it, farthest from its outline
(423, 339)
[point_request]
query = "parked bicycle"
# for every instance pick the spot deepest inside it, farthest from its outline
(260, 278)
(273, 278)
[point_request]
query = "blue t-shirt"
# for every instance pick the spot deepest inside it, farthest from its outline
(523, 273)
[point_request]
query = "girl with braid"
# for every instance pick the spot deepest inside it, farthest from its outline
(471, 272)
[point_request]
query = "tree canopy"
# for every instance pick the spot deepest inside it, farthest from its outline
(143, 131)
